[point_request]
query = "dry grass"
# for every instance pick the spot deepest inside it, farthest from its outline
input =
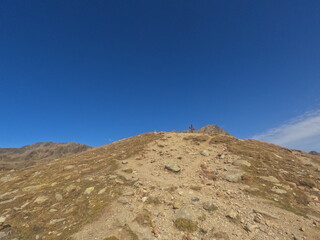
(271, 160)
(144, 218)
(185, 225)
(91, 169)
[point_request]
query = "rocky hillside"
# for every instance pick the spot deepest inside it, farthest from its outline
(14, 158)
(181, 186)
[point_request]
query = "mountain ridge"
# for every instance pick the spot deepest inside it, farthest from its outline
(13, 158)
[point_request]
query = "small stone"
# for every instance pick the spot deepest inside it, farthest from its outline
(195, 199)
(233, 176)
(102, 191)
(58, 197)
(41, 199)
(33, 188)
(144, 199)
(119, 181)
(185, 212)
(302, 229)
(128, 193)
(71, 188)
(177, 204)
(173, 168)
(2, 219)
(205, 153)
(52, 210)
(3, 235)
(54, 221)
(124, 162)
(88, 190)
(249, 227)
(278, 190)
(69, 167)
(123, 201)
(242, 163)
(232, 214)
(209, 206)
(270, 179)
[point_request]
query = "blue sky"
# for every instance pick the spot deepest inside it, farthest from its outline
(99, 71)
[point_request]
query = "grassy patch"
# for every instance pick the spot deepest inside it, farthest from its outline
(153, 200)
(185, 225)
(111, 238)
(128, 170)
(144, 219)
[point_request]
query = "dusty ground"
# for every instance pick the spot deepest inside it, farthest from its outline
(186, 186)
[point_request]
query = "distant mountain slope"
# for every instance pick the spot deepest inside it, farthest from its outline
(11, 158)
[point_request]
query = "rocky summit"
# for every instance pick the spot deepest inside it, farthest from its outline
(167, 185)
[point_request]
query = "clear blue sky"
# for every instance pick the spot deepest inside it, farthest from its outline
(99, 71)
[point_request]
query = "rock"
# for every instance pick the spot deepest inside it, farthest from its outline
(124, 162)
(7, 178)
(209, 206)
(119, 181)
(177, 204)
(250, 227)
(41, 199)
(72, 188)
(128, 193)
(2, 219)
(123, 201)
(3, 235)
(102, 191)
(52, 210)
(233, 176)
(270, 179)
(278, 190)
(173, 168)
(232, 215)
(185, 212)
(33, 188)
(205, 153)
(54, 221)
(69, 167)
(258, 218)
(58, 197)
(195, 199)
(242, 163)
(88, 190)
(207, 181)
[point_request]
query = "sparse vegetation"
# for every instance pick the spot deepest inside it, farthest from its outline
(153, 200)
(185, 225)
(111, 238)
(144, 218)
(128, 170)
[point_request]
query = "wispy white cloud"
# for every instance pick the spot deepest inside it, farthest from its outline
(302, 132)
